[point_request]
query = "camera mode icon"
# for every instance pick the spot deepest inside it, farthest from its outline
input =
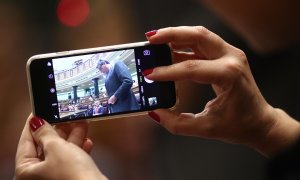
(146, 52)
(52, 90)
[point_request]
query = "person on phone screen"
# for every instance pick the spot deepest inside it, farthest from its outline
(98, 109)
(118, 83)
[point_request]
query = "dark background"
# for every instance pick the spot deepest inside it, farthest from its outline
(128, 148)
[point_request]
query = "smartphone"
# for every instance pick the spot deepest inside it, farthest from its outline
(99, 83)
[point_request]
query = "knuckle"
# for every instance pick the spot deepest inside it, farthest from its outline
(191, 66)
(202, 30)
(234, 67)
(239, 54)
(172, 32)
(49, 143)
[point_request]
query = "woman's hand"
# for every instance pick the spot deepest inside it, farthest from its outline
(239, 113)
(61, 153)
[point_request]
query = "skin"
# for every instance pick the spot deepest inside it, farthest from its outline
(104, 68)
(65, 148)
(239, 113)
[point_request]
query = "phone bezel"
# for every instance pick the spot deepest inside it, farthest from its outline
(89, 50)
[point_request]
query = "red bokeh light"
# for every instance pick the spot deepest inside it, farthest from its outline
(72, 12)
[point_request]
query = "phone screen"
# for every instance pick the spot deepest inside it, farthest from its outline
(99, 84)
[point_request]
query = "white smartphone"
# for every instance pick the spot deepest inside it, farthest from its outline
(99, 83)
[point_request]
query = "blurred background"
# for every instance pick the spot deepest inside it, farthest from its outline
(135, 148)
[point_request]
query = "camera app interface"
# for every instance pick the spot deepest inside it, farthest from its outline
(101, 84)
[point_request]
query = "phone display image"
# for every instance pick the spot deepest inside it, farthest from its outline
(96, 84)
(100, 83)
(152, 101)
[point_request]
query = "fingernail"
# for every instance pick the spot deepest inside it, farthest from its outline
(147, 72)
(151, 33)
(154, 116)
(35, 123)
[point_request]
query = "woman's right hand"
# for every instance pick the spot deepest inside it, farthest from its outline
(239, 113)
(61, 153)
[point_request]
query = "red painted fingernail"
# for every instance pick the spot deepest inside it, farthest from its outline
(35, 123)
(151, 33)
(147, 72)
(154, 116)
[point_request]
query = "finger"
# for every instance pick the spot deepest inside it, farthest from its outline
(87, 145)
(43, 133)
(180, 47)
(180, 123)
(198, 38)
(202, 71)
(78, 133)
(74, 132)
(193, 49)
(179, 56)
(63, 130)
(26, 148)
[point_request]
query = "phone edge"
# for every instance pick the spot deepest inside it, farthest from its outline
(90, 50)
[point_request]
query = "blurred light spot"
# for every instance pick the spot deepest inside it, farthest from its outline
(72, 12)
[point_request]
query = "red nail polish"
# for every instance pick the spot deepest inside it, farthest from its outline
(154, 116)
(147, 72)
(35, 123)
(151, 33)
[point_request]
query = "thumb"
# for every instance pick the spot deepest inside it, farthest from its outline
(42, 132)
